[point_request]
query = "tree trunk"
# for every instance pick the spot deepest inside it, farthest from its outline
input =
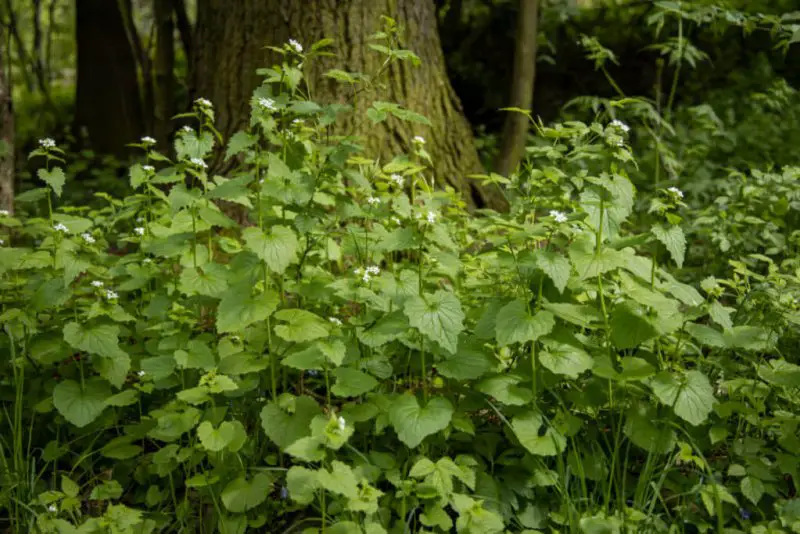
(230, 37)
(6, 140)
(163, 80)
(108, 99)
(515, 127)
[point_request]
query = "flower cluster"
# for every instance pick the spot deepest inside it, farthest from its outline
(61, 228)
(147, 140)
(419, 140)
(148, 168)
(47, 143)
(139, 230)
(88, 238)
(197, 162)
(4, 213)
(621, 125)
(558, 216)
(367, 273)
(111, 295)
(297, 47)
(373, 201)
(398, 180)
(97, 283)
(203, 103)
(675, 192)
(267, 103)
(335, 320)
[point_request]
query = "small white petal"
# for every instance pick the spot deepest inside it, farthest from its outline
(111, 295)
(335, 320)
(197, 162)
(419, 139)
(61, 228)
(203, 102)
(147, 140)
(139, 230)
(342, 423)
(4, 213)
(559, 216)
(398, 180)
(297, 46)
(88, 238)
(431, 217)
(372, 201)
(97, 283)
(47, 143)
(675, 191)
(148, 168)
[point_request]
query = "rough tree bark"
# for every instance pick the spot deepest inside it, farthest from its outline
(163, 79)
(108, 99)
(229, 42)
(6, 140)
(515, 127)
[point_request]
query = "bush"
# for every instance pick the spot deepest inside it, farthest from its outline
(344, 348)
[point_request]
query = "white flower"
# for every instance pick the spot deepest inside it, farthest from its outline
(148, 168)
(335, 320)
(147, 260)
(619, 142)
(298, 121)
(398, 180)
(374, 270)
(342, 423)
(139, 230)
(52, 508)
(88, 238)
(97, 283)
(675, 191)
(198, 163)
(559, 216)
(61, 228)
(431, 217)
(141, 373)
(297, 46)
(621, 125)
(397, 221)
(4, 213)
(187, 129)
(419, 139)
(2, 242)
(366, 278)
(111, 295)
(372, 201)
(47, 143)
(267, 103)
(203, 102)
(147, 140)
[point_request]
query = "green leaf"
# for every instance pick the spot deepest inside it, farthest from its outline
(301, 325)
(516, 325)
(216, 439)
(239, 142)
(238, 309)
(351, 382)
(505, 389)
(388, 328)
(690, 395)
(284, 427)
(210, 280)
(582, 315)
(438, 317)
(54, 178)
(80, 406)
(302, 484)
(565, 359)
(527, 429)
(630, 326)
(241, 494)
(278, 247)
(752, 488)
(414, 423)
(554, 265)
(721, 315)
(674, 240)
(644, 429)
(469, 363)
(101, 340)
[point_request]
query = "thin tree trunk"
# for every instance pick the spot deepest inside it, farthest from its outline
(515, 128)
(230, 39)
(184, 26)
(6, 140)
(163, 87)
(108, 103)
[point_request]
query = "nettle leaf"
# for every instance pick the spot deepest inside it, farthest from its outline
(644, 429)
(277, 247)
(554, 265)
(516, 325)
(721, 314)
(413, 422)
(471, 362)
(55, 178)
(238, 309)
(673, 239)
(242, 494)
(527, 429)
(302, 484)
(504, 388)
(283, 426)
(210, 280)
(352, 382)
(690, 395)
(388, 328)
(80, 405)
(301, 326)
(189, 146)
(438, 317)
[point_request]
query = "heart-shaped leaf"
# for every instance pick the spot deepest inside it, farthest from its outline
(414, 423)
